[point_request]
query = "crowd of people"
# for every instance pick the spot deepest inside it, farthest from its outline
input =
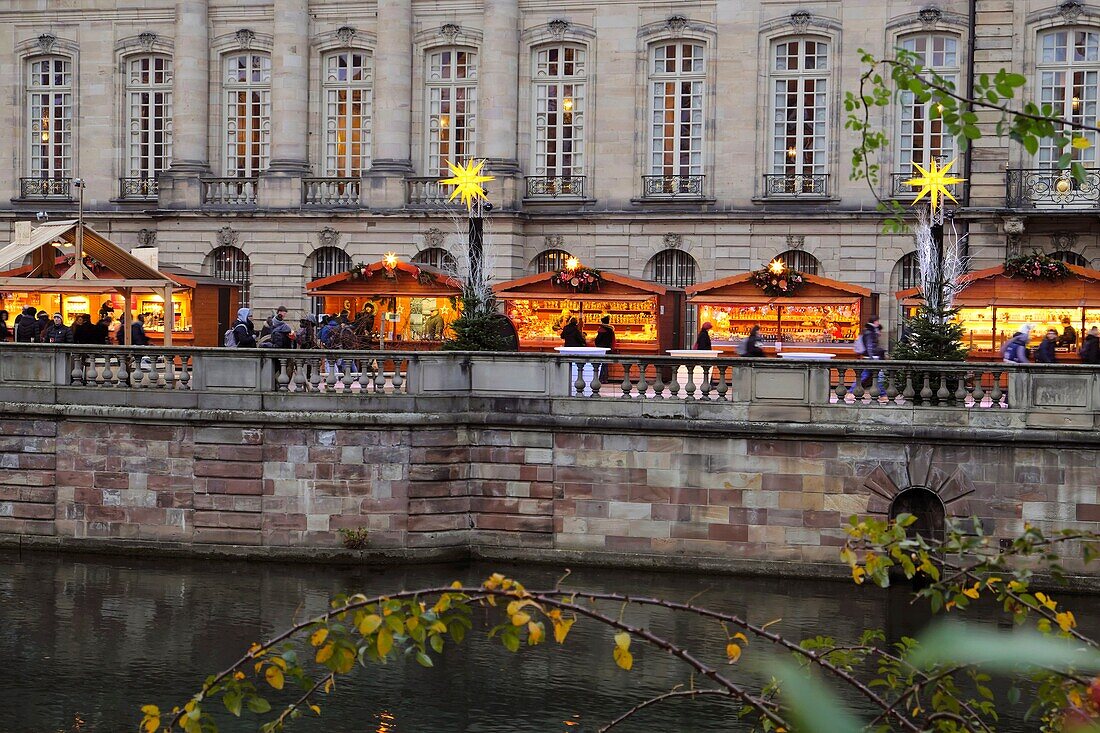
(313, 332)
(1015, 350)
(31, 326)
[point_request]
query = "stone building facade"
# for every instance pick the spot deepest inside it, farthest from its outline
(678, 140)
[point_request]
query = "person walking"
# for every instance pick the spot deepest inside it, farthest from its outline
(5, 331)
(1014, 350)
(1045, 354)
(282, 335)
(103, 329)
(243, 332)
(306, 335)
(605, 339)
(57, 332)
(1090, 349)
(750, 347)
(702, 340)
(572, 334)
(137, 332)
(870, 340)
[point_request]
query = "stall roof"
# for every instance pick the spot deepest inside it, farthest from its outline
(406, 281)
(613, 287)
(127, 270)
(739, 289)
(992, 287)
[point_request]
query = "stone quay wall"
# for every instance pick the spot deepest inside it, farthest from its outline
(687, 483)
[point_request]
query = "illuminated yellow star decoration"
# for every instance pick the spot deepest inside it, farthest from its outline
(467, 180)
(933, 183)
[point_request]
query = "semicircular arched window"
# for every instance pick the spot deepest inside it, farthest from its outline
(233, 265)
(907, 271)
(550, 260)
(800, 261)
(1070, 257)
(673, 268)
(438, 258)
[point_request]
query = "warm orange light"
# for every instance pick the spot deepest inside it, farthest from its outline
(444, 121)
(1076, 102)
(45, 136)
(390, 259)
(572, 264)
(792, 153)
(777, 266)
(567, 104)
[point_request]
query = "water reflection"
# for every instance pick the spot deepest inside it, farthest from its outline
(85, 641)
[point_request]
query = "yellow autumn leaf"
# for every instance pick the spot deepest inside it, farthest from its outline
(325, 653)
(1081, 143)
(858, 574)
(535, 633)
(279, 662)
(411, 623)
(254, 648)
(1066, 620)
(561, 629)
(151, 724)
(456, 584)
(992, 581)
(370, 624)
(520, 619)
(150, 710)
(257, 666)
(513, 608)
(733, 652)
(317, 638)
(1016, 586)
(274, 677)
(740, 636)
(439, 627)
(623, 657)
(971, 592)
(329, 684)
(238, 675)
(315, 709)
(385, 641)
(1075, 699)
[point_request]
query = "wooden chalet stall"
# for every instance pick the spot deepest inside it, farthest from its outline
(407, 306)
(647, 317)
(822, 316)
(994, 306)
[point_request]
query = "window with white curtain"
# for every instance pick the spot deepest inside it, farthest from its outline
(799, 83)
(50, 110)
(248, 113)
(347, 99)
(559, 100)
(149, 113)
(921, 135)
(1069, 75)
(677, 81)
(451, 108)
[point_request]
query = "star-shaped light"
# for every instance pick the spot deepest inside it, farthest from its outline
(467, 180)
(390, 260)
(572, 264)
(934, 183)
(777, 266)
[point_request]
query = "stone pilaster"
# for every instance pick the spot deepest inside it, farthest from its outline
(281, 183)
(180, 186)
(498, 92)
(392, 127)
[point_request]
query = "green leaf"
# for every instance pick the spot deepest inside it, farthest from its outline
(258, 705)
(997, 651)
(424, 660)
(436, 643)
(233, 702)
(1031, 144)
(813, 707)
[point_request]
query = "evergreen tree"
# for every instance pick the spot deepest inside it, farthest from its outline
(932, 334)
(480, 328)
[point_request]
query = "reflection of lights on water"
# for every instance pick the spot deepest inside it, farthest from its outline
(386, 722)
(574, 721)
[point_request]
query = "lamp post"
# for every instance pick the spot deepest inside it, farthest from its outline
(466, 181)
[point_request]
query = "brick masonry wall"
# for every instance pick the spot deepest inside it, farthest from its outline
(683, 496)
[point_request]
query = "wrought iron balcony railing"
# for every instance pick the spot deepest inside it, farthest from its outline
(59, 189)
(796, 185)
(1032, 188)
(426, 191)
(232, 192)
(341, 192)
(663, 187)
(552, 187)
(138, 189)
(900, 190)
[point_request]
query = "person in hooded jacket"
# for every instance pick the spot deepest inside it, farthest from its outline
(1045, 354)
(605, 339)
(84, 331)
(572, 334)
(5, 331)
(26, 326)
(243, 330)
(1015, 349)
(43, 324)
(1090, 349)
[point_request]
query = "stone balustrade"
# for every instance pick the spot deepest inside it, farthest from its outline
(976, 394)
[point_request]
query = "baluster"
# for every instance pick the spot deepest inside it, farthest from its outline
(141, 371)
(158, 379)
(597, 384)
(706, 379)
(185, 372)
(354, 371)
(909, 394)
(282, 379)
(960, 391)
(76, 376)
(926, 391)
(643, 380)
(578, 385)
(299, 375)
(380, 375)
(723, 387)
(658, 383)
(398, 381)
(979, 391)
(109, 371)
(674, 385)
(841, 384)
(170, 371)
(874, 392)
(330, 373)
(943, 394)
(97, 373)
(626, 386)
(690, 388)
(995, 394)
(315, 375)
(125, 368)
(891, 387)
(857, 386)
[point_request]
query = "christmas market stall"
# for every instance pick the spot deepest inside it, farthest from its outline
(646, 316)
(795, 311)
(390, 302)
(74, 270)
(1034, 290)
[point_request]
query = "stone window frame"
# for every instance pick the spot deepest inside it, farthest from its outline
(579, 111)
(424, 42)
(770, 33)
(1086, 157)
(244, 284)
(221, 48)
(25, 52)
(829, 74)
(958, 71)
(654, 34)
(126, 49)
(321, 46)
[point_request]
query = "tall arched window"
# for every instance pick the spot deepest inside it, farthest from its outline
(248, 113)
(908, 271)
(799, 76)
(1069, 77)
(559, 101)
(550, 260)
(1070, 257)
(921, 135)
(326, 261)
(149, 121)
(672, 267)
(451, 107)
(677, 81)
(347, 95)
(231, 263)
(800, 261)
(50, 125)
(438, 258)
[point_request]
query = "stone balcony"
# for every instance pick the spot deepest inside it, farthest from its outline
(1055, 190)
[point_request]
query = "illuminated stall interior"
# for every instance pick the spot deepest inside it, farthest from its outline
(645, 315)
(75, 270)
(994, 306)
(401, 303)
(821, 315)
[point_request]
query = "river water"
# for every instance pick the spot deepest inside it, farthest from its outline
(85, 641)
